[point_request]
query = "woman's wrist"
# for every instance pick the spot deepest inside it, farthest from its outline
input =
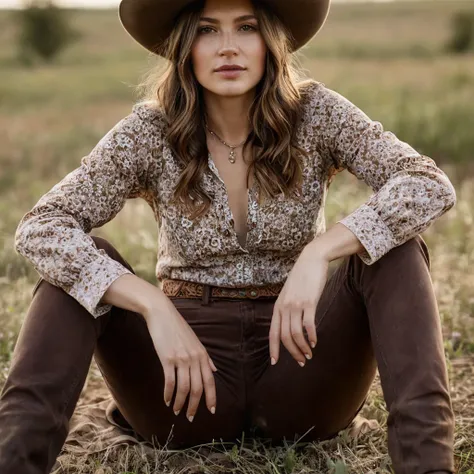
(135, 294)
(337, 242)
(156, 307)
(317, 249)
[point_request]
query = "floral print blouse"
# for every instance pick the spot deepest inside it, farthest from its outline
(134, 160)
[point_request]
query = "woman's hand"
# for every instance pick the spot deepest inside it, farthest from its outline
(179, 348)
(296, 304)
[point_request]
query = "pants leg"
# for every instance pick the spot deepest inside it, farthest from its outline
(50, 364)
(385, 312)
(408, 344)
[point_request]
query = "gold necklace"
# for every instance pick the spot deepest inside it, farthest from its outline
(232, 148)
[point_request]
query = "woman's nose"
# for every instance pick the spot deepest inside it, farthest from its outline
(228, 43)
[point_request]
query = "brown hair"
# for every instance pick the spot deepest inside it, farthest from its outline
(274, 113)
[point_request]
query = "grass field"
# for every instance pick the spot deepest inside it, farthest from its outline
(388, 58)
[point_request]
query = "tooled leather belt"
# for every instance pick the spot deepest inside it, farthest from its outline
(189, 289)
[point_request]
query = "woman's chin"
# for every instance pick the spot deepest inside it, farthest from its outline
(231, 88)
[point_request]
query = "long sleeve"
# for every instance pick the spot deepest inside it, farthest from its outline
(53, 235)
(410, 191)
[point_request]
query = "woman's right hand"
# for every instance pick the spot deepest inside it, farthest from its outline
(179, 349)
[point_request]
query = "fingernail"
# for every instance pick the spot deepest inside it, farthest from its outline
(213, 410)
(168, 403)
(177, 412)
(301, 363)
(308, 356)
(313, 344)
(191, 418)
(273, 361)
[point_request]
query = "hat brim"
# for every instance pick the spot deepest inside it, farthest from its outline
(149, 22)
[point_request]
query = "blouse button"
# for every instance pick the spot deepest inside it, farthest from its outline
(253, 293)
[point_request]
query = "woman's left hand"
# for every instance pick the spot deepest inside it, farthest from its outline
(296, 304)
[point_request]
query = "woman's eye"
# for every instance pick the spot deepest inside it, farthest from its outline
(204, 28)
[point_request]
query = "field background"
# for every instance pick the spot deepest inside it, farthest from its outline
(388, 58)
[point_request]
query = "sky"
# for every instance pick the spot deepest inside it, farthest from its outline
(85, 3)
(69, 3)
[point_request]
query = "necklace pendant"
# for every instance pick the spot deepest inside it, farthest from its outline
(232, 156)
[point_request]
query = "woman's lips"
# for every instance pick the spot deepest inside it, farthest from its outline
(230, 73)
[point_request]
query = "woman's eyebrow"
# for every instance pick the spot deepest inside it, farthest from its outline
(240, 18)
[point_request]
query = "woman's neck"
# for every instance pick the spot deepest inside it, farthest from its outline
(227, 117)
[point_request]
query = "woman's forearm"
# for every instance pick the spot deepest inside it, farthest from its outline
(337, 242)
(135, 294)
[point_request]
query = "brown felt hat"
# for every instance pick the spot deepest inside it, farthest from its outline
(150, 22)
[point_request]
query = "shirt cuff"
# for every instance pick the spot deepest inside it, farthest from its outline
(94, 281)
(372, 232)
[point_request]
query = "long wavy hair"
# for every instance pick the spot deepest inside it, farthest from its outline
(274, 114)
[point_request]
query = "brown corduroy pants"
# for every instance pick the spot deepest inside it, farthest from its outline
(383, 315)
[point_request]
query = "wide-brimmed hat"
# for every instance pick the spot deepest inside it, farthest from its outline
(150, 22)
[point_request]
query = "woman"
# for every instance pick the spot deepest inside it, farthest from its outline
(236, 166)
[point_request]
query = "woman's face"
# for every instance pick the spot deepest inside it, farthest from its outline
(224, 38)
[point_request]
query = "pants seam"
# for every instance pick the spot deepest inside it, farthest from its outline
(241, 351)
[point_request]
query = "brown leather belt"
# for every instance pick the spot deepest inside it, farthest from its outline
(189, 289)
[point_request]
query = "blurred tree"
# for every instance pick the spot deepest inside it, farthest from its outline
(44, 31)
(462, 39)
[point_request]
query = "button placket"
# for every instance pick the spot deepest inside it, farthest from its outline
(252, 210)
(229, 230)
(253, 220)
